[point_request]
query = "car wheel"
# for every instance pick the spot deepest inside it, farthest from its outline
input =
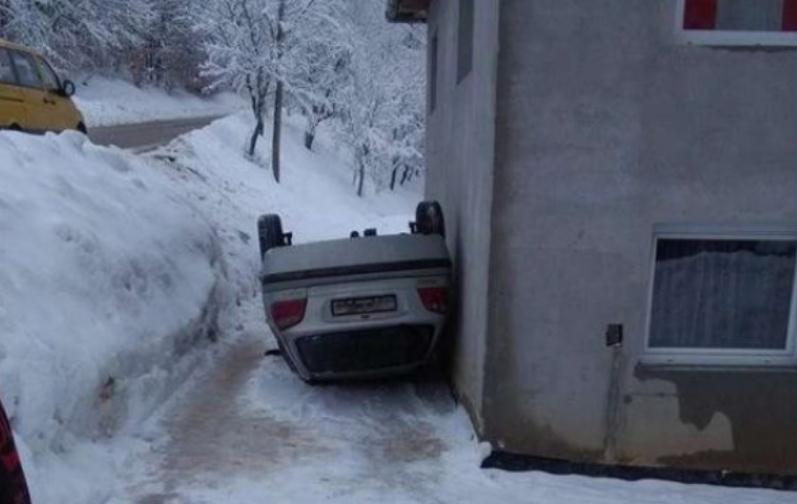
(82, 128)
(269, 231)
(429, 218)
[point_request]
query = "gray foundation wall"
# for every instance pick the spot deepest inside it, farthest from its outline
(460, 156)
(605, 127)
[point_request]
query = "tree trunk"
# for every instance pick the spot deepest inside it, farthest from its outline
(257, 134)
(277, 133)
(407, 175)
(257, 112)
(308, 140)
(360, 178)
(393, 178)
(264, 103)
(309, 134)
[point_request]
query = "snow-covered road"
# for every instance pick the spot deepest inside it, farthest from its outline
(147, 135)
(108, 102)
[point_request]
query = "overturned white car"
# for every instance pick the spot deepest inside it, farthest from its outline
(364, 307)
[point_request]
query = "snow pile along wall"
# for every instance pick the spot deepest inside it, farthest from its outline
(107, 274)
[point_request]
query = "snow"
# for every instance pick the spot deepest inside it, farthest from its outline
(105, 102)
(107, 275)
(223, 423)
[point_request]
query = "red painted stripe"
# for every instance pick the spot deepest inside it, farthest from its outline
(700, 14)
(789, 15)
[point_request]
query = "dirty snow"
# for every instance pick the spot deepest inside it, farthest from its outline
(106, 102)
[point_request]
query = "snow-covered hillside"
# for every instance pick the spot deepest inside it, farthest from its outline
(316, 197)
(106, 102)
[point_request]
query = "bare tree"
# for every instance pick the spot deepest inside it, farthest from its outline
(384, 120)
(257, 43)
(240, 53)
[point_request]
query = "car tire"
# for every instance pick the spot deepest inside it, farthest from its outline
(269, 232)
(82, 129)
(429, 218)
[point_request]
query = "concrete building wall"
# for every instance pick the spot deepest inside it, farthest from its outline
(460, 158)
(607, 127)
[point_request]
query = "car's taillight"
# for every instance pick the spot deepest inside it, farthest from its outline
(435, 299)
(288, 313)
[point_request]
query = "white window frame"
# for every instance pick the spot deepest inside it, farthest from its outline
(721, 357)
(729, 38)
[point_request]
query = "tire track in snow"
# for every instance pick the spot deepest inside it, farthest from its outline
(211, 439)
(248, 426)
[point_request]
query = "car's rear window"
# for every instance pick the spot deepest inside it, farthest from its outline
(6, 70)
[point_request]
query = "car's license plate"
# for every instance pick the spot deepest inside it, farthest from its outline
(363, 305)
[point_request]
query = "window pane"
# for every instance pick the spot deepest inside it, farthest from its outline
(722, 294)
(49, 75)
(754, 15)
(789, 15)
(26, 70)
(740, 15)
(700, 14)
(6, 71)
(465, 39)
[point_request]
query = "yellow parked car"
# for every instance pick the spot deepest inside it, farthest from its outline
(32, 96)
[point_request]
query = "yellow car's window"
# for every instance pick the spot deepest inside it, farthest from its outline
(48, 74)
(26, 70)
(6, 70)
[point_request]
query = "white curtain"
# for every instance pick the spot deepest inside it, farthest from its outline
(722, 294)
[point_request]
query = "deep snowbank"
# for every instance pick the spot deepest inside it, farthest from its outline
(107, 274)
(106, 102)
